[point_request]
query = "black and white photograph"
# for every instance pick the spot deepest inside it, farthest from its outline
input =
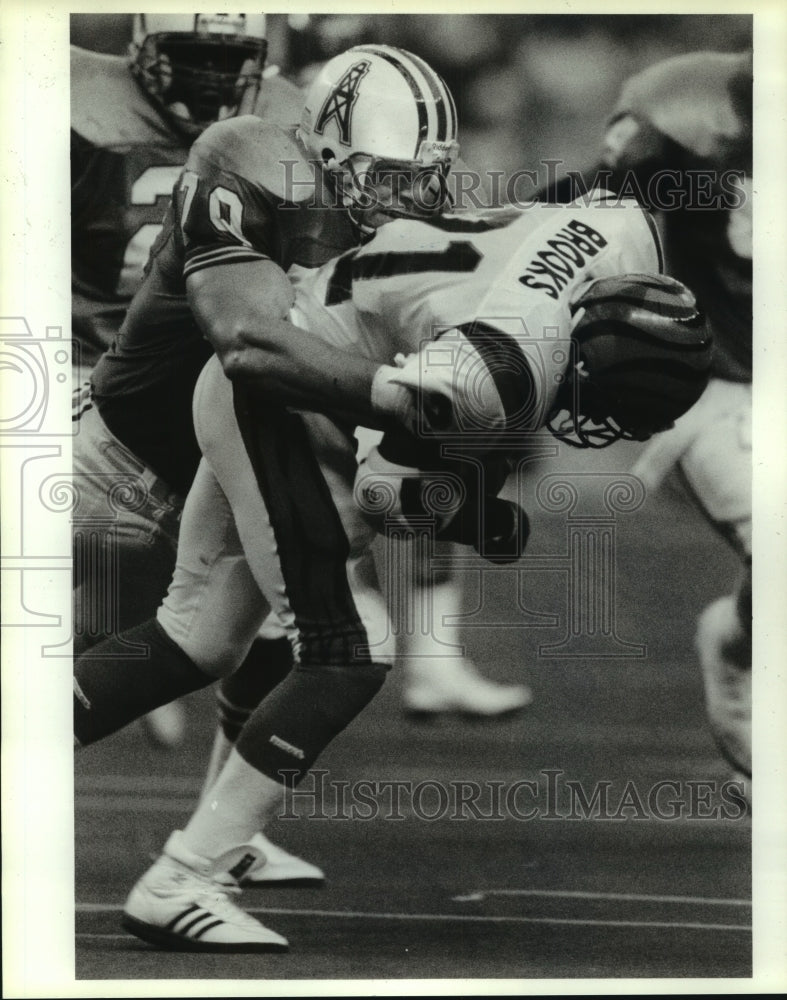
(392, 442)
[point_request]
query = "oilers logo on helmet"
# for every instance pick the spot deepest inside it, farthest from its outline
(382, 102)
(339, 103)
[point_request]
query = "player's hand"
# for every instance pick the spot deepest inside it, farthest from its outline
(417, 407)
(506, 530)
(498, 530)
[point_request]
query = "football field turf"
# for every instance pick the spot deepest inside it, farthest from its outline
(590, 836)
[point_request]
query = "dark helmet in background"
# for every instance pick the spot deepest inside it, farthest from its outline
(198, 67)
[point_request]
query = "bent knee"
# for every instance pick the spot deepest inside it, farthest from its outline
(215, 653)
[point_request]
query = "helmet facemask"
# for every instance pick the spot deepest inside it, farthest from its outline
(375, 189)
(580, 416)
(196, 79)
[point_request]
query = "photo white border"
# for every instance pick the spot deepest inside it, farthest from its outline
(37, 776)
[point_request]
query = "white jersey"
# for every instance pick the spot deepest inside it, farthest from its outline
(512, 270)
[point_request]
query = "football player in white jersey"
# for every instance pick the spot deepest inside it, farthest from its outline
(538, 321)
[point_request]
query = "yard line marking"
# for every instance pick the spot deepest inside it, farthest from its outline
(481, 894)
(456, 918)
(133, 804)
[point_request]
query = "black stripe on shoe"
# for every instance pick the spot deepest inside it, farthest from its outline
(200, 918)
(184, 913)
(208, 927)
(170, 941)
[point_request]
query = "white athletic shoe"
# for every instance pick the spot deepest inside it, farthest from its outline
(726, 671)
(165, 726)
(455, 687)
(179, 906)
(276, 869)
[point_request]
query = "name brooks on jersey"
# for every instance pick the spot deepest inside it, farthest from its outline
(569, 250)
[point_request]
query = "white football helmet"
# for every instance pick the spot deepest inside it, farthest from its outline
(197, 67)
(384, 125)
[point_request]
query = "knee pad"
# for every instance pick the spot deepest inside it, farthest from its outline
(112, 688)
(297, 721)
(268, 663)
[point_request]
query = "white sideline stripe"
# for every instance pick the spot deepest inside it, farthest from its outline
(447, 918)
(131, 804)
(128, 784)
(480, 894)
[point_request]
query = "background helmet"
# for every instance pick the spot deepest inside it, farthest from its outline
(375, 112)
(197, 67)
(642, 355)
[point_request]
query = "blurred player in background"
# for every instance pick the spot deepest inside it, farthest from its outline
(272, 522)
(680, 140)
(133, 120)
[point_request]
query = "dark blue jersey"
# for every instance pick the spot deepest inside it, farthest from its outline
(680, 141)
(246, 193)
(125, 158)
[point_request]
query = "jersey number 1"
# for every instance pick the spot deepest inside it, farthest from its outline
(458, 257)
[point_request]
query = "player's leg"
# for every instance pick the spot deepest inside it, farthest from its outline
(717, 470)
(311, 566)
(439, 678)
(124, 533)
(724, 649)
(203, 630)
(290, 487)
(212, 612)
(711, 445)
(269, 661)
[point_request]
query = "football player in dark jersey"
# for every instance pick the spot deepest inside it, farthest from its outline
(254, 208)
(680, 140)
(250, 205)
(133, 121)
(132, 124)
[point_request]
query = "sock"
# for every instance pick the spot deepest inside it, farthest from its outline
(112, 688)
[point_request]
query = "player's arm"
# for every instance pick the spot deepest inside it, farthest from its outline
(405, 478)
(227, 226)
(243, 311)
